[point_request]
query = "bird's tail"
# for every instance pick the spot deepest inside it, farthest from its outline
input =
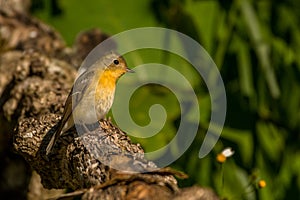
(54, 138)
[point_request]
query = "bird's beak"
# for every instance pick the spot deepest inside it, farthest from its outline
(129, 70)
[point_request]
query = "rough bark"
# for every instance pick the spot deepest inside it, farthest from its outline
(37, 71)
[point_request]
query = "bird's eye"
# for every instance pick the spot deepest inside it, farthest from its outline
(116, 62)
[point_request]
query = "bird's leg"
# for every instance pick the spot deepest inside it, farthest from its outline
(81, 129)
(86, 128)
(93, 126)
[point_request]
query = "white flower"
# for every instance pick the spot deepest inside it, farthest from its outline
(227, 152)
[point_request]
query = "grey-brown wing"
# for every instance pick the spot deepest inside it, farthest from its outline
(79, 88)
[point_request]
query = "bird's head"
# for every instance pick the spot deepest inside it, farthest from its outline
(115, 65)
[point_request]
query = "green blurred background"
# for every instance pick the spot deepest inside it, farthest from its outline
(256, 46)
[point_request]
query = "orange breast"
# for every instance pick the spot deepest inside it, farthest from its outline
(106, 86)
(105, 91)
(108, 78)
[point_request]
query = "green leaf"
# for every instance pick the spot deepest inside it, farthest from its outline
(271, 140)
(261, 48)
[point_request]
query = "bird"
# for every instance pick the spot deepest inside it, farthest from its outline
(92, 95)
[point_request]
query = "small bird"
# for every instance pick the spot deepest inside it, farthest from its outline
(92, 94)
